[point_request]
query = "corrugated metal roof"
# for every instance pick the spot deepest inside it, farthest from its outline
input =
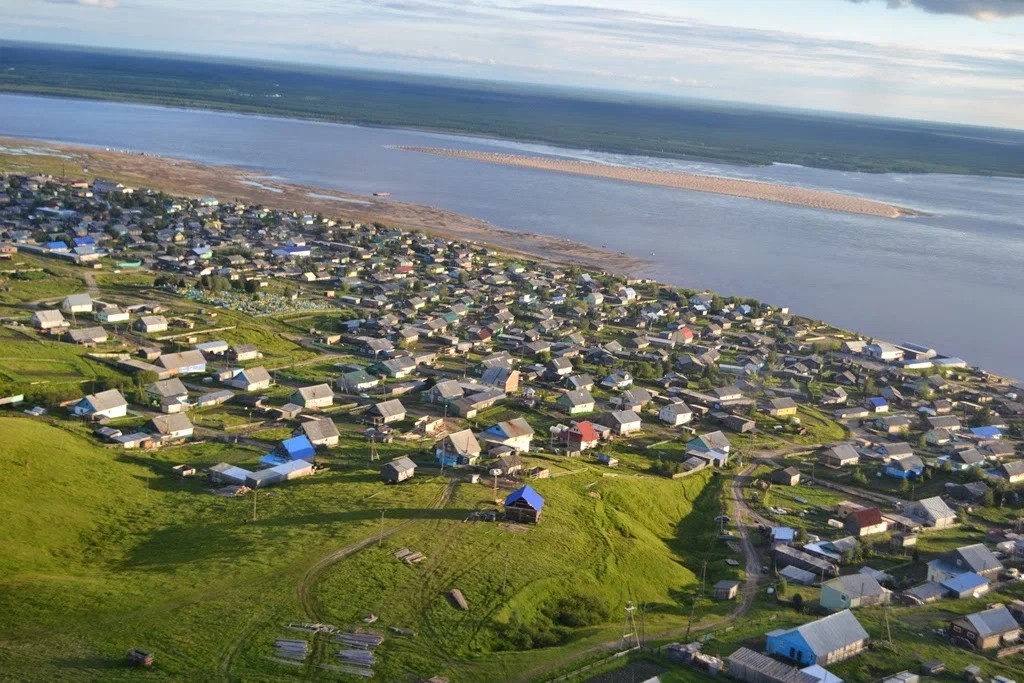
(770, 668)
(527, 494)
(993, 621)
(832, 633)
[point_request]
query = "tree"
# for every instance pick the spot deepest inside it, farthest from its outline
(782, 587)
(904, 486)
(916, 556)
(798, 602)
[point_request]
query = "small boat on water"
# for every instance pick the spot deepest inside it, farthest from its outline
(381, 194)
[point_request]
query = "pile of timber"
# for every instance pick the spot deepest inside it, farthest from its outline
(410, 557)
(456, 595)
(294, 650)
(312, 628)
(358, 659)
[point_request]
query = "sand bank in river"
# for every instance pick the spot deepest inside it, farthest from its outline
(769, 192)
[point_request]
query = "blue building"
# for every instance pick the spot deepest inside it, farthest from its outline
(987, 433)
(905, 467)
(831, 639)
(295, 448)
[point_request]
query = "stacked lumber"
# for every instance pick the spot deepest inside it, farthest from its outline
(312, 628)
(296, 650)
(358, 658)
(410, 557)
(359, 639)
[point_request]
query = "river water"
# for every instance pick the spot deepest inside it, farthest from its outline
(952, 280)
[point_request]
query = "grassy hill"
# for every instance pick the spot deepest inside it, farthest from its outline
(105, 550)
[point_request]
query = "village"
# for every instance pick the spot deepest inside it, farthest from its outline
(859, 500)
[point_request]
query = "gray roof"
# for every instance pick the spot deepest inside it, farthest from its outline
(174, 422)
(857, 585)
(49, 316)
(464, 442)
(716, 441)
(930, 508)
(843, 451)
(183, 359)
(168, 387)
(771, 669)
(577, 398)
(105, 400)
(977, 557)
(256, 374)
(88, 334)
(316, 391)
(402, 464)
(323, 428)
(832, 633)
(993, 621)
(389, 408)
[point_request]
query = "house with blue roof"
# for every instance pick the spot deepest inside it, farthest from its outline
(84, 242)
(907, 466)
(524, 505)
(877, 404)
(966, 585)
(987, 433)
(295, 448)
(57, 247)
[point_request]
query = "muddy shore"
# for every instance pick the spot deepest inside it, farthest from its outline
(190, 179)
(749, 189)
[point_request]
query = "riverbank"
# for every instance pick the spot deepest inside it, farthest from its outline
(191, 179)
(748, 189)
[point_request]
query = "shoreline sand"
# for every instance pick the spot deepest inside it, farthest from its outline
(195, 180)
(748, 189)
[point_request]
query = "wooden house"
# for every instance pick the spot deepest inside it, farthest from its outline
(524, 505)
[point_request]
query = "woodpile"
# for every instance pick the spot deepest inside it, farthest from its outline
(294, 650)
(410, 557)
(358, 658)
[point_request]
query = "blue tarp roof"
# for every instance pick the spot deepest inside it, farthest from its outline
(987, 432)
(878, 401)
(298, 447)
(273, 459)
(56, 245)
(529, 495)
(84, 241)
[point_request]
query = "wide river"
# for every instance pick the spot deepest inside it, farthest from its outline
(953, 280)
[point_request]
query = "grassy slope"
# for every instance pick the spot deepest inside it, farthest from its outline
(104, 550)
(107, 551)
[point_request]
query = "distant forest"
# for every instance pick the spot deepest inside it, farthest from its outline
(609, 123)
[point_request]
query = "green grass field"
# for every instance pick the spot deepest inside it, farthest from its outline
(106, 550)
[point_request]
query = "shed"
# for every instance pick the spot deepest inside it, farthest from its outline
(726, 590)
(398, 470)
(524, 505)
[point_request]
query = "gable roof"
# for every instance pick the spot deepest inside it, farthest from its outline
(976, 556)
(528, 495)
(316, 391)
(105, 400)
(511, 429)
(401, 464)
(297, 447)
(167, 387)
(323, 428)
(931, 508)
(992, 621)
(182, 359)
(464, 442)
(586, 431)
(389, 408)
(832, 633)
(857, 585)
(175, 422)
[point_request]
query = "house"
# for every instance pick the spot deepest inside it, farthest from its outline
(213, 348)
(754, 667)
(356, 381)
(828, 640)
(398, 470)
(985, 630)
(782, 407)
(788, 476)
(969, 558)
(840, 455)
(931, 512)
(559, 367)
(966, 585)
(48, 320)
(316, 396)
(507, 465)
(172, 388)
(618, 379)
(966, 459)
(249, 379)
(184, 363)
(505, 379)
(1013, 472)
(295, 448)
(907, 466)
(713, 446)
(77, 303)
(877, 404)
(321, 432)
(223, 473)
(87, 336)
(675, 414)
(284, 471)
(576, 402)
(460, 449)
(151, 324)
(725, 590)
(103, 405)
(582, 436)
(176, 426)
(386, 412)
(622, 422)
(244, 352)
(853, 591)
(515, 434)
(524, 506)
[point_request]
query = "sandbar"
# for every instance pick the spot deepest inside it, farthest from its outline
(749, 189)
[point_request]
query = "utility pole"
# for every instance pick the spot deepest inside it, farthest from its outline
(703, 573)
(504, 579)
(380, 538)
(254, 505)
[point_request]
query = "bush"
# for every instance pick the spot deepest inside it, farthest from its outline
(555, 623)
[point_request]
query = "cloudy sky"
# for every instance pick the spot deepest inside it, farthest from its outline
(948, 60)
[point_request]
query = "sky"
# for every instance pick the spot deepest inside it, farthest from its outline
(941, 60)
